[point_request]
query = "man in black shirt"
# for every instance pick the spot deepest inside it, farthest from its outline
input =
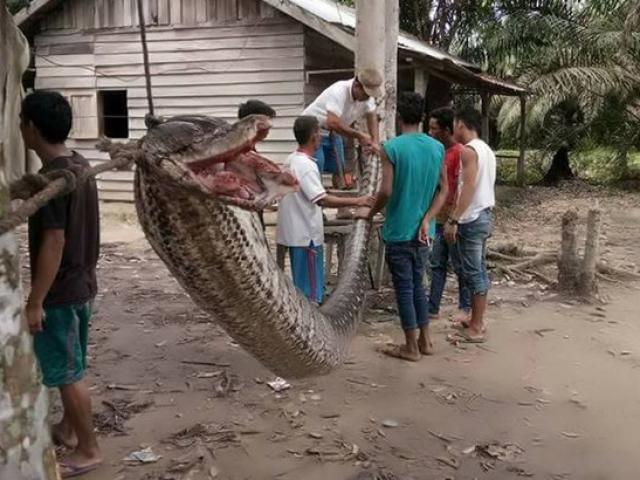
(64, 240)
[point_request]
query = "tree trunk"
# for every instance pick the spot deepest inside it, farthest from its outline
(568, 263)
(25, 445)
(560, 168)
(587, 283)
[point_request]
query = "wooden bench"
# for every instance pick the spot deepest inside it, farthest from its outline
(335, 237)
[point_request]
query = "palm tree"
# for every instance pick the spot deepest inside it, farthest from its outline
(574, 57)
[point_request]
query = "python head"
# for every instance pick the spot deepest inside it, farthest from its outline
(211, 157)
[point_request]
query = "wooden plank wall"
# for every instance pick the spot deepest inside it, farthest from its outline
(206, 66)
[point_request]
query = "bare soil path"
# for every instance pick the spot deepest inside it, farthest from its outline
(554, 394)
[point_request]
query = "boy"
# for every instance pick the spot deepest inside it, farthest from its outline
(414, 184)
(64, 239)
(441, 128)
(300, 225)
(256, 107)
(471, 222)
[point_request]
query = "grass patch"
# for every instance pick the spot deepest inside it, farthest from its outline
(598, 165)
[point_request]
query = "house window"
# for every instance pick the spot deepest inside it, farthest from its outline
(114, 114)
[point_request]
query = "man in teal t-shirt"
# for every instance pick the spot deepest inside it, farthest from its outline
(414, 189)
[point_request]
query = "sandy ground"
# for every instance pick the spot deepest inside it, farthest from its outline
(553, 395)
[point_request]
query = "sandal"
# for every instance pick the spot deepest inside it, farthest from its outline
(464, 336)
(464, 325)
(69, 470)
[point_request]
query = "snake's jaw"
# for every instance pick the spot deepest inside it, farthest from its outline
(218, 160)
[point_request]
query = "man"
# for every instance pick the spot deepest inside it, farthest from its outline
(256, 107)
(337, 108)
(441, 128)
(63, 249)
(300, 225)
(414, 185)
(471, 221)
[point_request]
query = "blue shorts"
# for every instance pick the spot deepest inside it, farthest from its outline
(326, 154)
(307, 268)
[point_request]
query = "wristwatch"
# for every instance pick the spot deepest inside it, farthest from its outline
(452, 221)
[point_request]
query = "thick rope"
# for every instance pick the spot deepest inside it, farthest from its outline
(56, 184)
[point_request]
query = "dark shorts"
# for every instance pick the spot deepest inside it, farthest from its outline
(61, 346)
(326, 154)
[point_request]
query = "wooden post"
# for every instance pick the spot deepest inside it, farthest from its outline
(392, 29)
(26, 452)
(371, 38)
(521, 165)
(568, 263)
(587, 283)
(420, 79)
(486, 99)
(145, 56)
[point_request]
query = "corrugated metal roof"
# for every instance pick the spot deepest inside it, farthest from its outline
(344, 16)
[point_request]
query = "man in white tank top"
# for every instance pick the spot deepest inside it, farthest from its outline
(471, 221)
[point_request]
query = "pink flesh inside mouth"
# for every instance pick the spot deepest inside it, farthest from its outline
(242, 174)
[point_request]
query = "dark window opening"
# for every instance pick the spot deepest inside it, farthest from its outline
(114, 114)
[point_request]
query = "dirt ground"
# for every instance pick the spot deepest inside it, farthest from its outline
(554, 394)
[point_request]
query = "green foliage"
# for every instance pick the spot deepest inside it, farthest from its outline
(580, 61)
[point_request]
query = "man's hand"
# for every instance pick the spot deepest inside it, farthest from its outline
(365, 201)
(35, 314)
(450, 232)
(423, 233)
(364, 139)
(372, 148)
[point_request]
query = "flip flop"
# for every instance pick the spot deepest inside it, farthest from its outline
(463, 336)
(68, 470)
(464, 325)
(396, 351)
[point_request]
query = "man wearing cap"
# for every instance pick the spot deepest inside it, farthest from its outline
(337, 108)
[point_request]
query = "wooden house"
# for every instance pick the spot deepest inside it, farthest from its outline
(206, 56)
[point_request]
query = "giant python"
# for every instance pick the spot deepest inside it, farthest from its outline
(197, 185)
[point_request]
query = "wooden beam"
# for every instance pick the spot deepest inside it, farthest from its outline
(36, 7)
(521, 166)
(486, 99)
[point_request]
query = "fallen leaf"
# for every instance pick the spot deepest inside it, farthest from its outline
(450, 462)
(208, 374)
(143, 456)
(279, 384)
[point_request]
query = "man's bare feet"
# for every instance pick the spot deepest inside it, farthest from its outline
(461, 316)
(425, 345)
(402, 352)
(63, 435)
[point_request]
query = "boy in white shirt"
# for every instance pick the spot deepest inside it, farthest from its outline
(300, 225)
